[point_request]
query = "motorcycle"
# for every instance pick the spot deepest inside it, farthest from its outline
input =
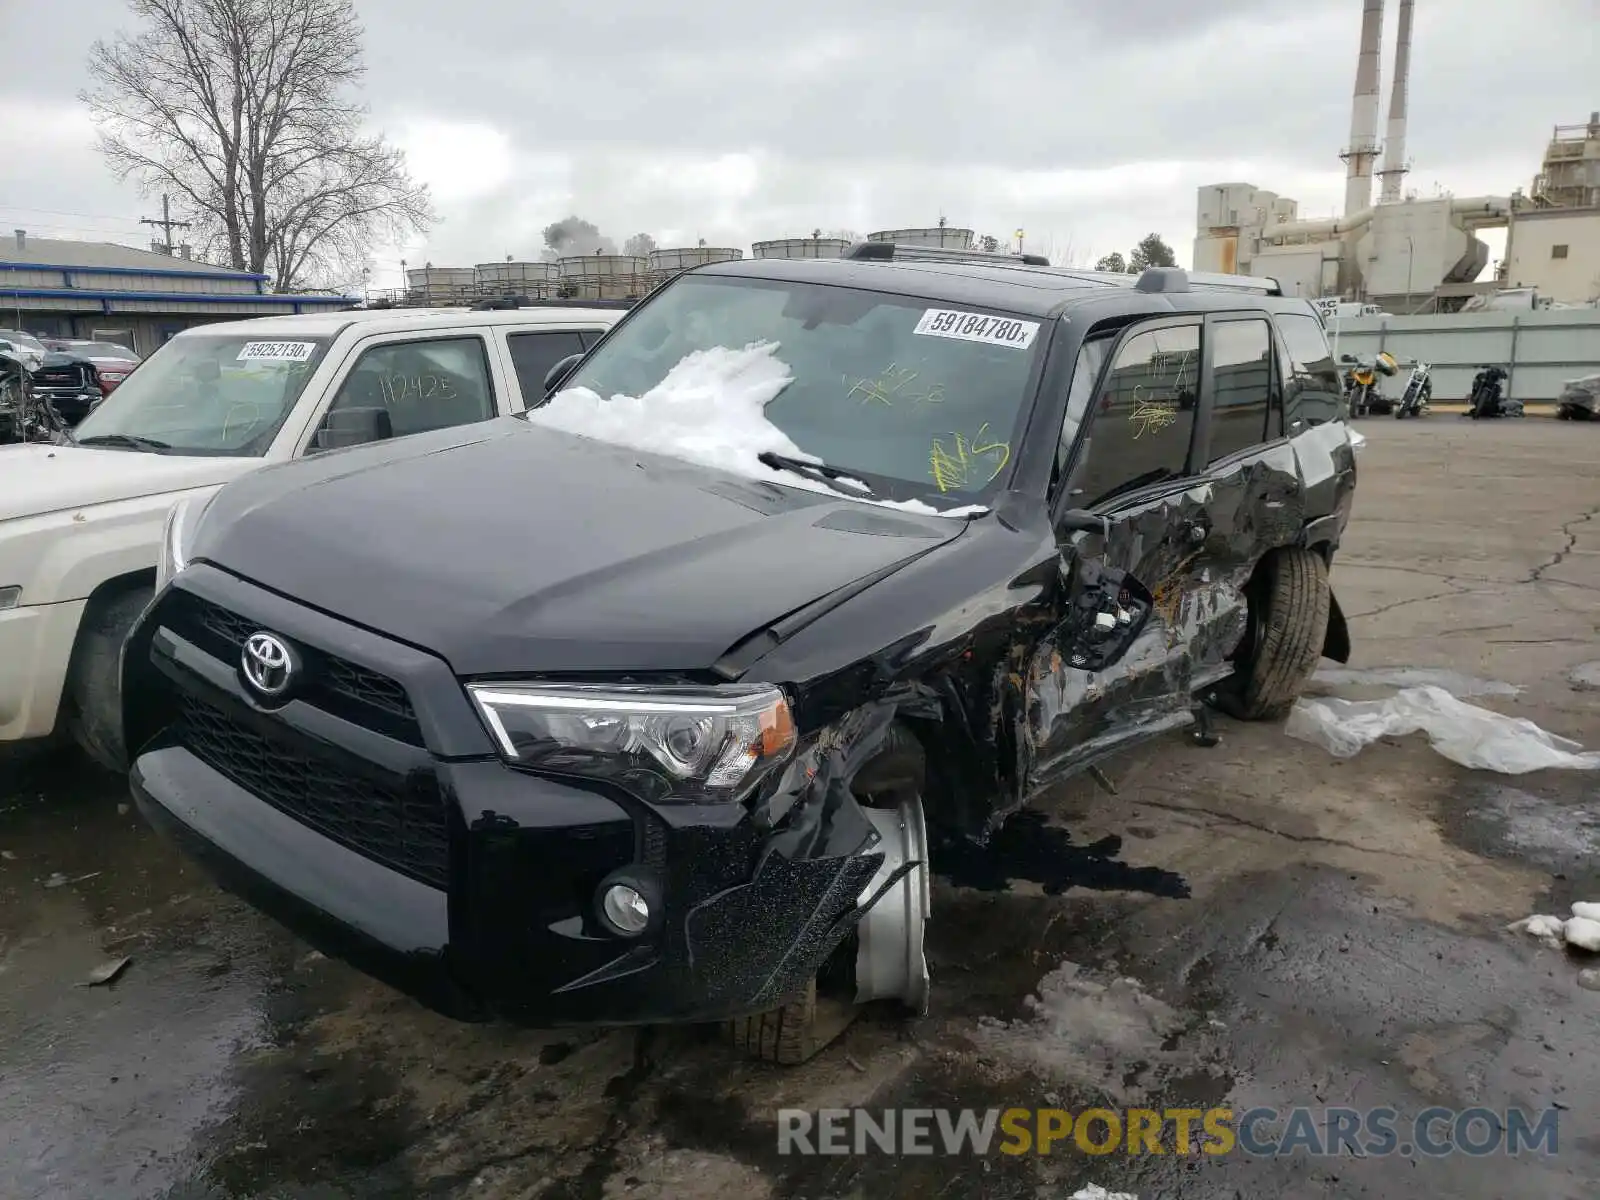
(1362, 394)
(1488, 399)
(24, 415)
(1419, 391)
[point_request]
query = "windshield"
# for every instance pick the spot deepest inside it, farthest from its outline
(917, 399)
(101, 350)
(202, 394)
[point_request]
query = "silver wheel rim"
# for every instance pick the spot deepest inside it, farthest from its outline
(890, 961)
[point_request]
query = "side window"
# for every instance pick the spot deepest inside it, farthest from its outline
(1091, 358)
(1144, 416)
(533, 354)
(1241, 373)
(1312, 396)
(401, 388)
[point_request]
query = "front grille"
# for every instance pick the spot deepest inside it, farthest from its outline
(401, 825)
(74, 378)
(337, 685)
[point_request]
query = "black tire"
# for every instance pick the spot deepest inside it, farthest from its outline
(1289, 600)
(94, 680)
(788, 1035)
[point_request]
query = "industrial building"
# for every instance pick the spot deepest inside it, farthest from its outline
(136, 298)
(1402, 253)
(1554, 243)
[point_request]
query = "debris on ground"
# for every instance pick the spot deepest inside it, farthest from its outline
(1589, 978)
(1585, 677)
(1095, 1192)
(1085, 1032)
(1582, 929)
(106, 972)
(1464, 733)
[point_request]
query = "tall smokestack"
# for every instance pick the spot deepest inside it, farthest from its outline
(1362, 151)
(1394, 142)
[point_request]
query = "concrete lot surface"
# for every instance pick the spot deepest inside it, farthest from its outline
(1252, 924)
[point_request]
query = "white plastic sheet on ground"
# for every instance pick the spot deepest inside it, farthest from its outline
(1464, 733)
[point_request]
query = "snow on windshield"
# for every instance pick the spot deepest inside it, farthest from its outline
(710, 409)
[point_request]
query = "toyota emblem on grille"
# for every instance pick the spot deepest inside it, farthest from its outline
(269, 665)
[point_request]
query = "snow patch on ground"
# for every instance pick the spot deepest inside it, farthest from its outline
(1083, 1032)
(1464, 733)
(1095, 1192)
(710, 410)
(1582, 929)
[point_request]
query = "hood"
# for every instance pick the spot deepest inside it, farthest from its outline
(505, 547)
(40, 479)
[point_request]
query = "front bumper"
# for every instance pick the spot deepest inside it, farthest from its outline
(408, 849)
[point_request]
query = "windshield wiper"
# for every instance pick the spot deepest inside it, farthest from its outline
(822, 471)
(124, 439)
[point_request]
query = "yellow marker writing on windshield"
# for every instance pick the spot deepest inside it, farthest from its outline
(955, 466)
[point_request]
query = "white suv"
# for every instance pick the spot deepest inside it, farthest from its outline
(81, 523)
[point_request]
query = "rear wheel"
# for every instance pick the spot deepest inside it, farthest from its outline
(1288, 624)
(94, 680)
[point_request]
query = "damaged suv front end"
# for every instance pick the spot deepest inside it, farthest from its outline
(589, 718)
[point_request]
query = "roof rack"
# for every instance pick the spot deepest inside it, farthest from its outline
(498, 303)
(893, 251)
(1176, 279)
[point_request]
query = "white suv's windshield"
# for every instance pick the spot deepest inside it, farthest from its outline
(205, 394)
(917, 398)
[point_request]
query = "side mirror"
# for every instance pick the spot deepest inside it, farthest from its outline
(1081, 520)
(557, 375)
(1348, 358)
(353, 427)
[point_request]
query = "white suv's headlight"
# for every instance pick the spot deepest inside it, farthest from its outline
(177, 534)
(687, 744)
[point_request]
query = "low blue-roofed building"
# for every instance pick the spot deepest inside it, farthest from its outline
(136, 298)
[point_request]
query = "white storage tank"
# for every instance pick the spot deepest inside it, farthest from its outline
(942, 235)
(604, 276)
(535, 280)
(806, 247)
(439, 287)
(664, 264)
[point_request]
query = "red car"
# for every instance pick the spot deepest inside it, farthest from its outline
(112, 363)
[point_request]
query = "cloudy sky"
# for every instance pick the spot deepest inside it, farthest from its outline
(1087, 123)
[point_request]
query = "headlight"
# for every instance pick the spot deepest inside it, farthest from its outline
(691, 744)
(177, 534)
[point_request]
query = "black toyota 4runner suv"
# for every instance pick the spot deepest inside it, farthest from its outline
(538, 727)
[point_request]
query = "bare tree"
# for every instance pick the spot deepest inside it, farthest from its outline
(640, 245)
(244, 111)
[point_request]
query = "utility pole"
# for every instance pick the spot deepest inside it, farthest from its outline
(166, 222)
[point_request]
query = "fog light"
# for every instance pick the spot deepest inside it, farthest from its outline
(625, 908)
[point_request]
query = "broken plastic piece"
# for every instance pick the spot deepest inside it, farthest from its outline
(106, 972)
(1464, 733)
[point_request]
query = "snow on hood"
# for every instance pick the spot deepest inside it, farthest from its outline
(40, 479)
(710, 410)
